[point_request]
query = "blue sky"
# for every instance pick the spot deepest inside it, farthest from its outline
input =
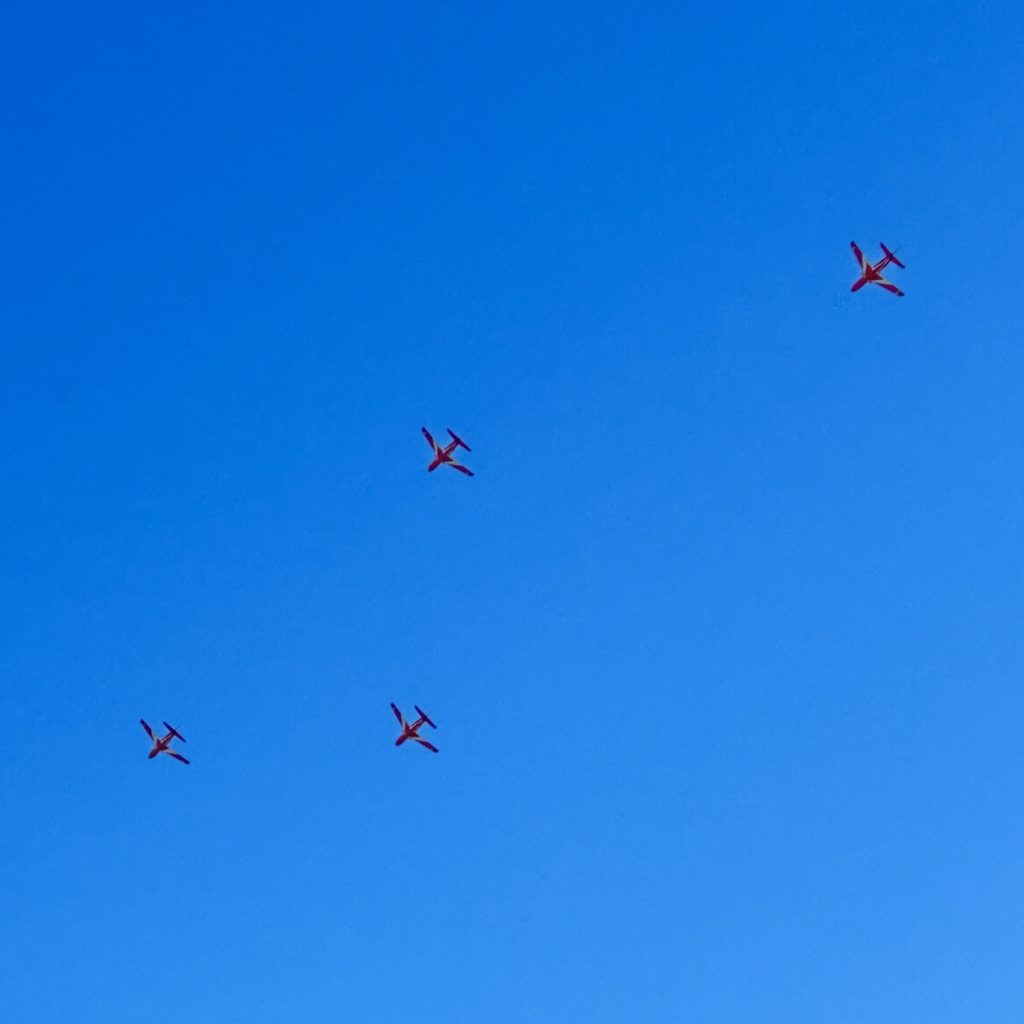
(723, 639)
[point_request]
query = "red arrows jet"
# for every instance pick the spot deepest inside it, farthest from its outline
(410, 731)
(162, 745)
(443, 456)
(873, 274)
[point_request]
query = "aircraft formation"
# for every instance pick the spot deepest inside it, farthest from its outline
(445, 456)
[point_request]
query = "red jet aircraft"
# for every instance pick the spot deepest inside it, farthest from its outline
(411, 731)
(162, 745)
(443, 456)
(873, 274)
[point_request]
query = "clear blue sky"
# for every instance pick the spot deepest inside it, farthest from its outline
(724, 638)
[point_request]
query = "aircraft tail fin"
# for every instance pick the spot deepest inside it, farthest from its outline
(891, 256)
(424, 716)
(458, 440)
(175, 731)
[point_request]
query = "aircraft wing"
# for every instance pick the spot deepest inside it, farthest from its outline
(145, 725)
(425, 743)
(430, 440)
(176, 755)
(398, 714)
(858, 255)
(889, 287)
(461, 468)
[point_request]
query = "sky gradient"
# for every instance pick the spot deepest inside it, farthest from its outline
(723, 639)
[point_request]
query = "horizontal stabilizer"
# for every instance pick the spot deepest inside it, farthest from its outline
(458, 440)
(891, 256)
(424, 716)
(175, 731)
